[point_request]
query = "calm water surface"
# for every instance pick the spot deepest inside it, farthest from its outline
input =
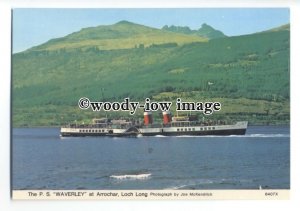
(43, 160)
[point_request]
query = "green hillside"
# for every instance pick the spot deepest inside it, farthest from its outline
(248, 74)
(285, 27)
(122, 35)
(205, 31)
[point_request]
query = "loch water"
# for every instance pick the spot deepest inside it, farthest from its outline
(43, 160)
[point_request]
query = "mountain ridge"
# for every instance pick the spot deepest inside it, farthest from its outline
(205, 31)
(284, 27)
(121, 35)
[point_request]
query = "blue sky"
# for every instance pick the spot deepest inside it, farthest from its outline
(32, 27)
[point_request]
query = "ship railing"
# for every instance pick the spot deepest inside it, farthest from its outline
(87, 126)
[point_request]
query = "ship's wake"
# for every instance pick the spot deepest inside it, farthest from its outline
(230, 136)
(263, 135)
(242, 136)
(131, 176)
